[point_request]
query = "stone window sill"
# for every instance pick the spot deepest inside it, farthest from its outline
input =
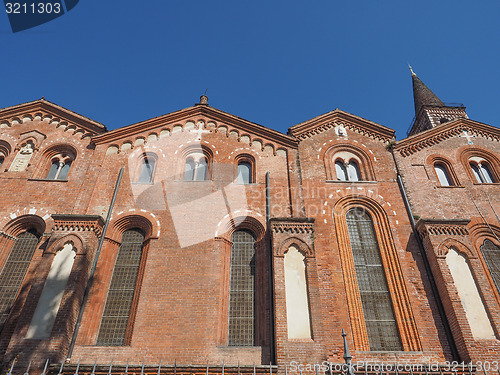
(45, 180)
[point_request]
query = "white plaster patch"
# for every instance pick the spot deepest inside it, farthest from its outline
(32, 211)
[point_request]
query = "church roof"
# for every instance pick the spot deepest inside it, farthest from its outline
(422, 95)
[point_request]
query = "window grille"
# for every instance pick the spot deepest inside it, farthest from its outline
(380, 322)
(242, 290)
(118, 306)
(491, 254)
(14, 271)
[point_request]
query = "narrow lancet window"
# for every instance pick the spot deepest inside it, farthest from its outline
(242, 290)
(115, 319)
(379, 316)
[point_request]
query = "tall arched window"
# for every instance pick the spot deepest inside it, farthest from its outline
(379, 316)
(442, 174)
(353, 170)
(147, 169)
(481, 171)
(59, 167)
(196, 167)
(189, 170)
(242, 290)
(347, 170)
(115, 318)
(340, 170)
(244, 173)
(491, 255)
(201, 169)
(14, 271)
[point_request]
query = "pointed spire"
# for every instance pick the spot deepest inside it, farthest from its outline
(422, 95)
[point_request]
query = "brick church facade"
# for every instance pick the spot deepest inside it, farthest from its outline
(211, 244)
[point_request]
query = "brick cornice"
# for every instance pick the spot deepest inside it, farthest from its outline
(440, 133)
(337, 117)
(78, 223)
(436, 227)
(47, 109)
(213, 113)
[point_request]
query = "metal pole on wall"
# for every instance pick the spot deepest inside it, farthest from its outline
(271, 278)
(94, 265)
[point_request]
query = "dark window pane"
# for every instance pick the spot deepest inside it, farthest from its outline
(491, 254)
(14, 271)
(377, 305)
(121, 290)
(242, 290)
(244, 173)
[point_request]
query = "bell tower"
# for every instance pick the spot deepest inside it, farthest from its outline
(430, 111)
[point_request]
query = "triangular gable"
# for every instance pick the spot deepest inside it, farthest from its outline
(43, 109)
(340, 118)
(229, 122)
(459, 127)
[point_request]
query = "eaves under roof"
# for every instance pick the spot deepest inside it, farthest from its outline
(45, 105)
(213, 113)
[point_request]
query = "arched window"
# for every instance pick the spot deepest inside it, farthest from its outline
(4, 151)
(14, 271)
(491, 255)
(353, 170)
(189, 170)
(442, 174)
(347, 171)
(242, 290)
(147, 169)
(244, 173)
(197, 167)
(115, 318)
(59, 167)
(482, 171)
(201, 169)
(379, 316)
(340, 170)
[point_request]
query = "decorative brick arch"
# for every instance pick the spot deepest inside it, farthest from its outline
(228, 225)
(449, 243)
(303, 248)
(146, 221)
(46, 158)
(18, 221)
(364, 160)
(465, 153)
(77, 242)
(434, 159)
(396, 283)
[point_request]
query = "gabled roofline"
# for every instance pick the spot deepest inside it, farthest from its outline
(302, 129)
(44, 104)
(418, 141)
(216, 114)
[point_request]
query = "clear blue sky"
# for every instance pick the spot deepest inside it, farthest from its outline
(273, 62)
